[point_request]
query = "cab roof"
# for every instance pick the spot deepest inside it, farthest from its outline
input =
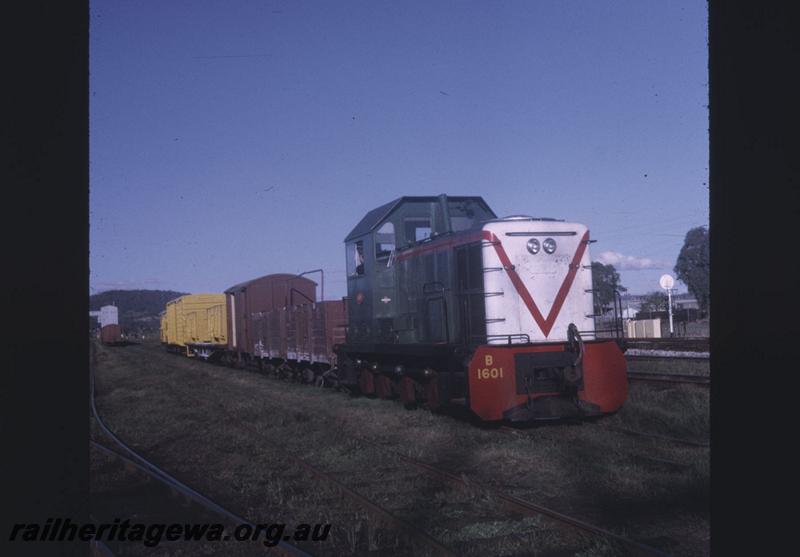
(376, 216)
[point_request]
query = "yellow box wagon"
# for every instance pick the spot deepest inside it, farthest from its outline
(195, 324)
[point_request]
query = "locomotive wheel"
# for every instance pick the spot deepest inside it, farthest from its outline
(432, 395)
(383, 386)
(407, 395)
(366, 382)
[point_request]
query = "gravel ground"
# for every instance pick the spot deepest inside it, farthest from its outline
(229, 431)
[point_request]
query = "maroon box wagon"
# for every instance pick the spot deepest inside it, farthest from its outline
(249, 300)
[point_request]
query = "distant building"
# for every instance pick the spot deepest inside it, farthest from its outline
(629, 312)
(685, 303)
(108, 315)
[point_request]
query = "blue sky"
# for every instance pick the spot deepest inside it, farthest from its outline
(229, 140)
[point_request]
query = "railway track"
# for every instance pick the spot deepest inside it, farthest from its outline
(636, 456)
(387, 472)
(674, 378)
(133, 460)
(376, 474)
(653, 357)
(421, 542)
(390, 502)
(656, 436)
(532, 509)
(681, 344)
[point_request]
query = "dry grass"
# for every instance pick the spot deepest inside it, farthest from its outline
(671, 365)
(647, 489)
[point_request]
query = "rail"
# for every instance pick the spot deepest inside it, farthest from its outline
(162, 476)
(676, 378)
(528, 508)
(655, 436)
(410, 530)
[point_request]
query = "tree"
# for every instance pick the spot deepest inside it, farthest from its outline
(605, 280)
(654, 301)
(692, 267)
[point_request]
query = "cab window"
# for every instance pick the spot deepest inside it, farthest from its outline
(384, 241)
(417, 228)
(465, 215)
(355, 259)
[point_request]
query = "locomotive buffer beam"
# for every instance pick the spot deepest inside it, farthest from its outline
(550, 373)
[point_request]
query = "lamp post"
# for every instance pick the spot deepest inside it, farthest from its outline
(667, 282)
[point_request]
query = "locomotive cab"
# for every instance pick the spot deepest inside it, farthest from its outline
(390, 300)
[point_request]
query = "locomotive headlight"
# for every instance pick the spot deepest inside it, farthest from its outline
(533, 246)
(549, 245)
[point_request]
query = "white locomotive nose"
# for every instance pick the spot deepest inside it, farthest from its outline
(537, 279)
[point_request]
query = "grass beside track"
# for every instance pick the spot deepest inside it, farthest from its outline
(652, 491)
(668, 365)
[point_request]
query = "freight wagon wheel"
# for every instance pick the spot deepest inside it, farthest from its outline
(308, 375)
(283, 371)
(296, 375)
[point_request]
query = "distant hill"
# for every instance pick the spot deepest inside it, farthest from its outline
(138, 309)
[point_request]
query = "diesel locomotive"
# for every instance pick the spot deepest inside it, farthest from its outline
(447, 304)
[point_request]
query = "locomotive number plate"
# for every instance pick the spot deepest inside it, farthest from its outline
(489, 372)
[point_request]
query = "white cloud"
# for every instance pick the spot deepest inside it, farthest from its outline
(629, 262)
